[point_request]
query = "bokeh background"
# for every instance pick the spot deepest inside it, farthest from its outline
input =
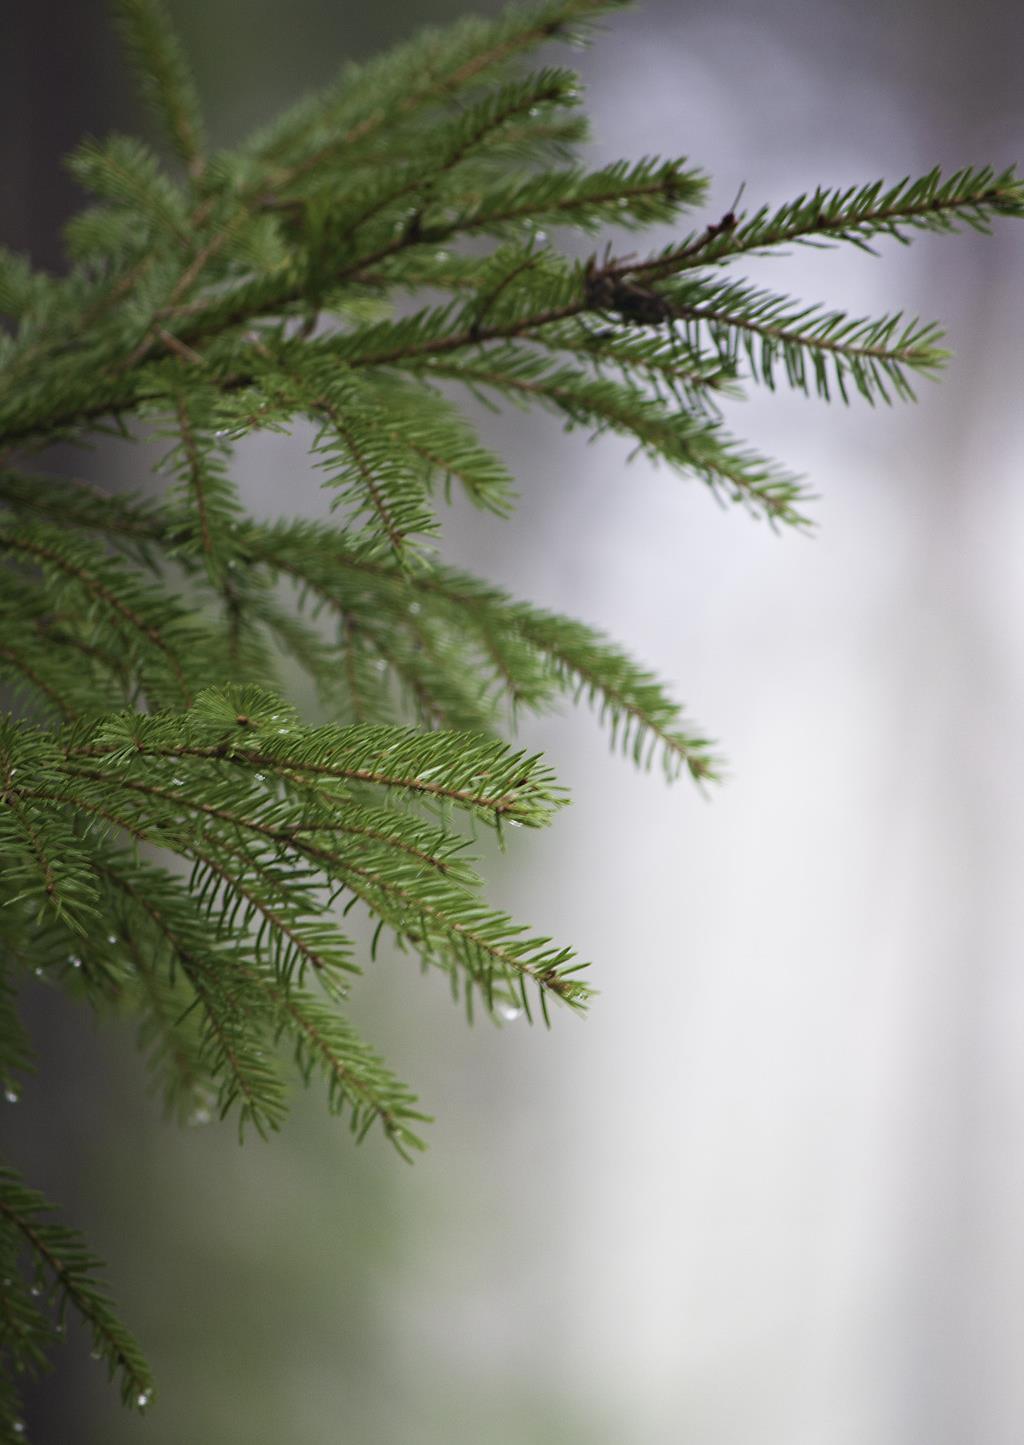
(771, 1191)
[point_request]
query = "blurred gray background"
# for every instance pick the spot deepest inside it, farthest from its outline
(771, 1191)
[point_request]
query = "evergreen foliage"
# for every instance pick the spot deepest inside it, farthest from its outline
(178, 844)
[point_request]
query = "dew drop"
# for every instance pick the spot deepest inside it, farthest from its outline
(415, 608)
(534, 111)
(509, 1012)
(18, 1427)
(143, 1398)
(284, 730)
(95, 1354)
(38, 971)
(203, 1100)
(222, 433)
(178, 782)
(381, 665)
(35, 1291)
(74, 960)
(12, 1096)
(111, 937)
(514, 823)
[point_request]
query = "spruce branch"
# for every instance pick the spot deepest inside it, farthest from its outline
(833, 348)
(638, 194)
(64, 1274)
(125, 172)
(435, 68)
(224, 729)
(973, 197)
(165, 76)
(601, 405)
(178, 843)
(107, 587)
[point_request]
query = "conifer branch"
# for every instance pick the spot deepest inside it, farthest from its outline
(487, 778)
(673, 437)
(105, 584)
(165, 76)
(973, 197)
(874, 354)
(235, 1015)
(13, 660)
(175, 839)
(641, 194)
(436, 68)
(66, 1272)
(126, 173)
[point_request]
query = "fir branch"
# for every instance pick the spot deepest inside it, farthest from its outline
(109, 586)
(486, 123)
(356, 1077)
(630, 699)
(196, 479)
(662, 360)
(831, 347)
(165, 76)
(285, 283)
(551, 653)
(67, 1270)
(441, 440)
(278, 901)
(203, 508)
(1001, 197)
(23, 660)
(125, 171)
(431, 68)
(972, 196)
(73, 502)
(487, 778)
(23, 290)
(167, 1034)
(57, 645)
(457, 933)
(367, 472)
(45, 862)
(236, 1018)
(637, 194)
(675, 437)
